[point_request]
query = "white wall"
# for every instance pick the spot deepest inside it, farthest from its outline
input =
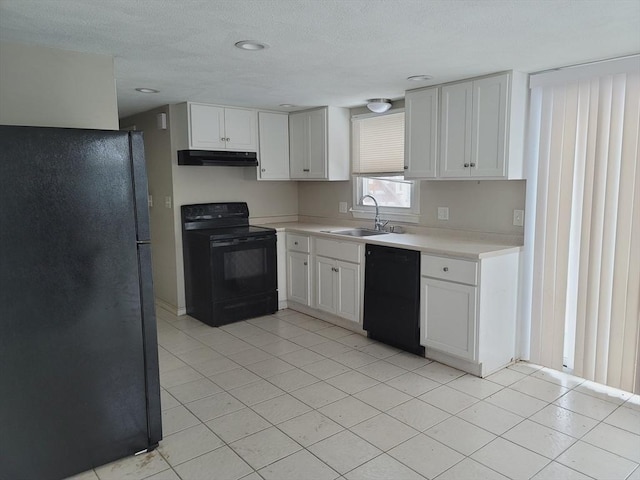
(56, 88)
(157, 144)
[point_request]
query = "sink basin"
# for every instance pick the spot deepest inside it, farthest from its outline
(356, 232)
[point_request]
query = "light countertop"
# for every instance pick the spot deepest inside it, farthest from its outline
(454, 244)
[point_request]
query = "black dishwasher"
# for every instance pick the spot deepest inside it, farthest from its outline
(392, 297)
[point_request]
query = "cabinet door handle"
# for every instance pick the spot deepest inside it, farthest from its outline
(263, 170)
(334, 269)
(466, 165)
(445, 269)
(295, 243)
(472, 164)
(406, 167)
(305, 169)
(304, 263)
(222, 139)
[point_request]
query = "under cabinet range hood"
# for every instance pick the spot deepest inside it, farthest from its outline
(220, 158)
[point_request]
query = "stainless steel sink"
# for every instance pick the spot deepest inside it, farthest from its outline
(356, 232)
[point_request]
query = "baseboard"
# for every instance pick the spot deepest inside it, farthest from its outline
(478, 369)
(170, 308)
(327, 317)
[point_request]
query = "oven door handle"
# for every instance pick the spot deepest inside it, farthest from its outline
(238, 241)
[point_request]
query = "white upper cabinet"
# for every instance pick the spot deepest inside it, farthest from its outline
(319, 144)
(474, 130)
(240, 129)
(273, 155)
(482, 127)
(455, 130)
(212, 127)
(206, 127)
(421, 133)
(489, 130)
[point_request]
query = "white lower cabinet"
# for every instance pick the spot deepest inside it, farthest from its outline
(298, 269)
(324, 278)
(298, 275)
(338, 287)
(469, 311)
(449, 317)
(281, 252)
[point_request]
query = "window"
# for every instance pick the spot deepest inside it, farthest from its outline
(378, 168)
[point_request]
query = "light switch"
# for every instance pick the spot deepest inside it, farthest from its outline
(150, 201)
(167, 202)
(443, 213)
(342, 207)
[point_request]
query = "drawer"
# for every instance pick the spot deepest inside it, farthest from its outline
(452, 269)
(347, 251)
(297, 243)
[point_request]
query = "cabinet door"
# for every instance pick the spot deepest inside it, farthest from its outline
(273, 131)
(206, 127)
(298, 276)
(348, 291)
(490, 97)
(455, 130)
(421, 133)
(240, 129)
(317, 144)
(298, 157)
(325, 284)
(448, 316)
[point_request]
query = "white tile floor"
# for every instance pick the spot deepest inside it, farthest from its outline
(288, 396)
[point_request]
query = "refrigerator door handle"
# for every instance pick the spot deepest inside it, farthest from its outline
(143, 242)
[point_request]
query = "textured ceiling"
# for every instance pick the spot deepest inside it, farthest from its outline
(322, 52)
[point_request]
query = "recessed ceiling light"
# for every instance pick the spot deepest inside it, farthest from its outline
(419, 78)
(251, 45)
(287, 105)
(146, 90)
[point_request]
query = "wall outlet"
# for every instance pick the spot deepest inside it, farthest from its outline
(443, 213)
(518, 218)
(342, 207)
(167, 202)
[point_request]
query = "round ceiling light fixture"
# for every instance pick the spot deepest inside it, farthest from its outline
(251, 45)
(419, 78)
(379, 105)
(146, 90)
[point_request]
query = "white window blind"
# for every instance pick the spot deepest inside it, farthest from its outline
(378, 144)
(585, 272)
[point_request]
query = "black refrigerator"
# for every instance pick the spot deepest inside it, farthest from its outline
(79, 383)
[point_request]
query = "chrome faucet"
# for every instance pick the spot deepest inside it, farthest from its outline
(378, 224)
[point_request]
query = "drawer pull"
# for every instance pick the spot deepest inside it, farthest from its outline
(304, 263)
(295, 243)
(445, 269)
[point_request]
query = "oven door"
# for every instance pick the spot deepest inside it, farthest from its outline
(243, 267)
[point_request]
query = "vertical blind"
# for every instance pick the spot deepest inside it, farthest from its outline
(586, 243)
(378, 144)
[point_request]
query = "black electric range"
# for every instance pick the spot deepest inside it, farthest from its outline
(229, 266)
